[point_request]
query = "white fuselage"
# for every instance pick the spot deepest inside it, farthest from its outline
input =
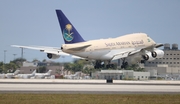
(105, 49)
(43, 75)
(25, 76)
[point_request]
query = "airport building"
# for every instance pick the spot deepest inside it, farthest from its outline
(120, 75)
(169, 64)
(29, 67)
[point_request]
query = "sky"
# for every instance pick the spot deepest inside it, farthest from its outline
(34, 22)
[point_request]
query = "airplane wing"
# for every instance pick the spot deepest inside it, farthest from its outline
(159, 45)
(123, 54)
(53, 50)
(132, 51)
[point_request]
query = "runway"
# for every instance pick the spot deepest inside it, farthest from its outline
(49, 86)
(88, 88)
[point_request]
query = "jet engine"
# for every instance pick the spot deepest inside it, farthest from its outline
(148, 57)
(52, 56)
(153, 55)
(157, 53)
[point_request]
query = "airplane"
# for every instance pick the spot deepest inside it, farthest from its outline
(9, 75)
(43, 75)
(130, 48)
(26, 76)
(72, 76)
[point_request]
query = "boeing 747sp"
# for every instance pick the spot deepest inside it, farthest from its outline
(134, 47)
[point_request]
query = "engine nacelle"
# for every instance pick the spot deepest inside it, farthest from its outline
(153, 55)
(157, 53)
(148, 57)
(52, 56)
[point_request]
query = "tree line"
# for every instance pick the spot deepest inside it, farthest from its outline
(11, 66)
(78, 65)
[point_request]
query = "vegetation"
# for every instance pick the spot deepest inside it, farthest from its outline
(134, 67)
(84, 66)
(11, 66)
(19, 98)
(41, 69)
(18, 61)
(79, 65)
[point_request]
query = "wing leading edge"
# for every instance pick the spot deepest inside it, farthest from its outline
(52, 50)
(132, 51)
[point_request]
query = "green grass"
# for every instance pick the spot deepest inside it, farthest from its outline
(19, 98)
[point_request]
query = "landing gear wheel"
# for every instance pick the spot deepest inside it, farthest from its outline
(124, 64)
(98, 65)
(110, 66)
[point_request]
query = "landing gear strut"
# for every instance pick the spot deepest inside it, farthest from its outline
(110, 66)
(106, 64)
(98, 64)
(124, 64)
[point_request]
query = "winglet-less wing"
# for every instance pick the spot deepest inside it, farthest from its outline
(134, 51)
(119, 56)
(159, 45)
(53, 50)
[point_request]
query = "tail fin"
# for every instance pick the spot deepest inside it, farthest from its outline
(34, 72)
(77, 73)
(49, 72)
(16, 72)
(69, 33)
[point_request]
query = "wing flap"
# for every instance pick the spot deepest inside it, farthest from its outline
(56, 52)
(119, 56)
(131, 52)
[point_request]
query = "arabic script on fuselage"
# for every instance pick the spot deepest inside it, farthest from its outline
(140, 42)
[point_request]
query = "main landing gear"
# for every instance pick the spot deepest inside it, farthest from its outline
(99, 64)
(124, 63)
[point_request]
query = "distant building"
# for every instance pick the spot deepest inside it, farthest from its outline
(29, 64)
(169, 64)
(171, 57)
(120, 75)
(34, 64)
(29, 67)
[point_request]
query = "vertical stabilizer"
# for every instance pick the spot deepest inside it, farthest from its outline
(49, 72)
(33, 73)
(69, 33)
(16, 72)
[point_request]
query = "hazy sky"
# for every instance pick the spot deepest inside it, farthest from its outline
(34, 22)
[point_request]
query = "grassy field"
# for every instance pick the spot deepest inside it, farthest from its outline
(19, 98)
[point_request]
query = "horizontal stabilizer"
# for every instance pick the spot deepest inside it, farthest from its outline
(79, 48)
